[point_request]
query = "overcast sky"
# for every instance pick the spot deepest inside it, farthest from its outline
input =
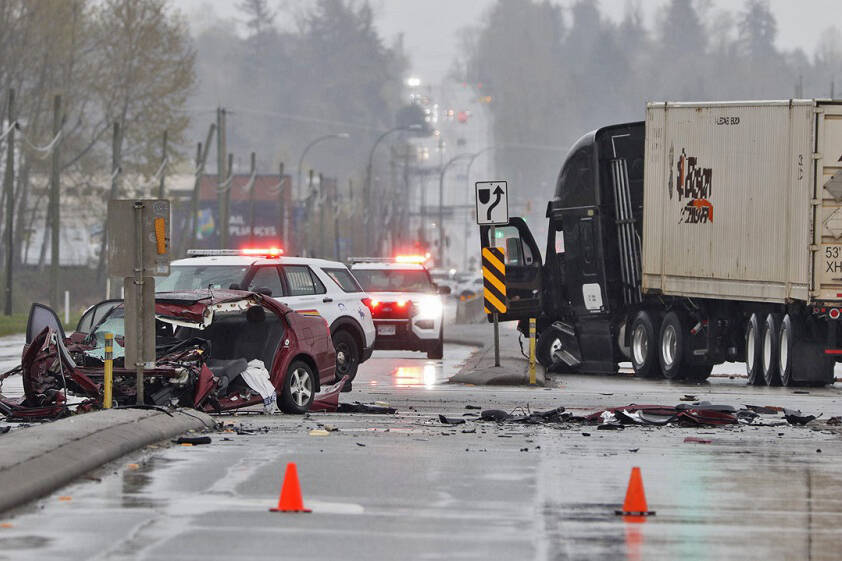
(431, 27)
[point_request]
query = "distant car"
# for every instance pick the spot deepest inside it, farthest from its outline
(469, 288)
(215, 350)
(406, 304)
(308, 286)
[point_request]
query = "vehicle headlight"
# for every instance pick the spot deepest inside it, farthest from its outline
(429, 308)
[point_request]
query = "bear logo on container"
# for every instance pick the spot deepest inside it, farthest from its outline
(694, 184)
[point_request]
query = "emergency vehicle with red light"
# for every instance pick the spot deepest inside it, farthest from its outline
(406, 304)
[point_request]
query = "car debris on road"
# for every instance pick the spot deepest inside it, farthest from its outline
(216, 350)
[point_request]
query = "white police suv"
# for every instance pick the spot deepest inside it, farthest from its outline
(308, 286)
(406, 304)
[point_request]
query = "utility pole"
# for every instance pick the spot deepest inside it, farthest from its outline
(116, 155)
(251, 198)
(307, 208)
(223, 194)
(161, 186)
(54, 209)
(201, 160)
(322, 199)
(282, 231)
(8, 189)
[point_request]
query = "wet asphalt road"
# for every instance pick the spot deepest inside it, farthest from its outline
(407, 487)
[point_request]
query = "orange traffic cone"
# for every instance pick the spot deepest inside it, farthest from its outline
(290, 499)
(635, 503)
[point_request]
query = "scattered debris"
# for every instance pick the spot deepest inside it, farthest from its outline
(469, 431)
(834, 421)
(473, 407)
(358, 407)
(687, 397)
(360, 444)
(586, 434)
(319, 432)
(494, 415)
(696, 440)
(801, 391)
(797, 418)
(445, 421)
(633, 450)
(193, 440)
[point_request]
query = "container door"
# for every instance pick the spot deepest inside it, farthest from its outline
(827, 263)
(523, 268)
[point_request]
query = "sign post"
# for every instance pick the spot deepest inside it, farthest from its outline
(139, 250)
(493, 209)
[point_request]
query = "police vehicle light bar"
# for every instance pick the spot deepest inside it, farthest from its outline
(255, 252)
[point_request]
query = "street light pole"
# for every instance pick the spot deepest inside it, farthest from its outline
(307, 149)
(367, 186)
(441, 202)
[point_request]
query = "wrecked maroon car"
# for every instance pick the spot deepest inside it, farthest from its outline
(215, 351)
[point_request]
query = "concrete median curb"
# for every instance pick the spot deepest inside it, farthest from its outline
(38, 460)
(479, 369)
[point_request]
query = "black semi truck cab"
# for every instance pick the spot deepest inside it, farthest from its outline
(587, 296)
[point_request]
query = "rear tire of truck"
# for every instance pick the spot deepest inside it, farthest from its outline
(671, 347)
(787, 339)
(754, 352)
(771, 350)
(644, 346)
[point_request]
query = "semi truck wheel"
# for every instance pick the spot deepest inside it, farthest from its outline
(787, 338)
(771, 350)
(671, 345)
(754, 352)
(644, 346)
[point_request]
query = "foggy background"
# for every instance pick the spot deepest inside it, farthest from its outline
(432, 93)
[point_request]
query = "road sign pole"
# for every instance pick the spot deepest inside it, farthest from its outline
(138, 288)
(496, 321)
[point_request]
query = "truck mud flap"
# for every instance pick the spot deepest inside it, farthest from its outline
(569, 352)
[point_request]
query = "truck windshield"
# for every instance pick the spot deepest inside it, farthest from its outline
(394, 280)
(191, 277)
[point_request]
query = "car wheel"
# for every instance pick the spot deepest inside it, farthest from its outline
(771, 350)
(644, 346)
(436, 350)
(298, 391)
(347, 355)
(754, 352)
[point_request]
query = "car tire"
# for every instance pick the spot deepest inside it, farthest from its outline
(546, 345)
(299, 389)
(348, 354)
(771, 350)
(754, 352)
(644, 346)
(436, 350)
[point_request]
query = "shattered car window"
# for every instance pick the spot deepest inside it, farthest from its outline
(191, 277)
(114, 323)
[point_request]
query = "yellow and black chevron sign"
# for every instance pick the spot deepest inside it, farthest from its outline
(494, 280)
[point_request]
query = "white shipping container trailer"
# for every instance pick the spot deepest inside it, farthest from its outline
(709, 232)
(743, 201)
